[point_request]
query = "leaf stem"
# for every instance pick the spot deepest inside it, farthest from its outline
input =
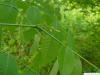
(22, 25)
(72, 50)
(42, 29)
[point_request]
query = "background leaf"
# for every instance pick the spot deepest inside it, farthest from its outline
(66, 61)
(8, 14)
(8, 65)
(54, 70)
(77, 70)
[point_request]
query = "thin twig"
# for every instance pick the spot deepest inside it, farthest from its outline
(42, 29)
(72, 50)
(22, 25)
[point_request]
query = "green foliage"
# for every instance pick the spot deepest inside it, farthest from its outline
(6, 15)
(48, 37)
(66, 62)
(54, 68)
(8, 65)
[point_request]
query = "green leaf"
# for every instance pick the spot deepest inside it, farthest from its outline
(77, 70)
(36, 43)
(47, 51)
(54, 68)
(66, 57)
(8, 14)
(8, 65)
(28, 35)
(66, 61)
(34, 15)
